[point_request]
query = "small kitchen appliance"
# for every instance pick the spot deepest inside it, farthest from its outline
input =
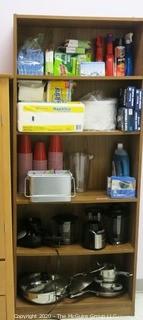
(61, 230)
(49, 186)
(93, 231)
(118, 225)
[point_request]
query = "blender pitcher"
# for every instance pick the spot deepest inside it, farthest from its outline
(79, 166)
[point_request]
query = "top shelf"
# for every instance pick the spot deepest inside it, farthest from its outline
(77, 78)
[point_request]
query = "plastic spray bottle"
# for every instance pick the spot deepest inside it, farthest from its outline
(129, 54)
(120, 58)
(120, 163)
(109, 65)
(99, 49)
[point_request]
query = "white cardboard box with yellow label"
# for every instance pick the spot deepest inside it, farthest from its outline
(50, 117)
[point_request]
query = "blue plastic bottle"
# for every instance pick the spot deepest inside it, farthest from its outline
(129, 54)
(120, 163)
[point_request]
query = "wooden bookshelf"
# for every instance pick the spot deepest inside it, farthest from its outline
(102, 144)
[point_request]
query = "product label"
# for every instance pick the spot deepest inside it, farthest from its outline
(49, 128)
(120, 61)
(65, 108)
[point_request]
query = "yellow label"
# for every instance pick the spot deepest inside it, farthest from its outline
(48, 128)
(41, 108)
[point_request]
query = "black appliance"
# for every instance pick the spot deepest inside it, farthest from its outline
(30, 233)
(118, 225)
(93, 231)
(62, 229)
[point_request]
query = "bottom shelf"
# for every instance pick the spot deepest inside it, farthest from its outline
(90, 306)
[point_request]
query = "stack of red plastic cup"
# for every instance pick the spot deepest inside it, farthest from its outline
(55, 153)
(24, 160)
(40, 157)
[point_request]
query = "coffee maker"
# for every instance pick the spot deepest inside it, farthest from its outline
(117, 222)
(93, 231)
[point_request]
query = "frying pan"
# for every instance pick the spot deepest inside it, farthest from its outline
(42, 288)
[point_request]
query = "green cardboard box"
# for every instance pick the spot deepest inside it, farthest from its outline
(63, 64)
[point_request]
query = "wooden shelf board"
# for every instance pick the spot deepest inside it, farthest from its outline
(87, 305)
(85, 133)
(85, 197)
(6, 75)
(78, 78)
(74, 250)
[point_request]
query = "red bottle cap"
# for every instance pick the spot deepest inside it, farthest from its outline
(24, 144)
(55, 144)
(40, 151)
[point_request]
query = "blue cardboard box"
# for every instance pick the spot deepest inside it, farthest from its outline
(138, 99)
(121, 187)
(130, 97)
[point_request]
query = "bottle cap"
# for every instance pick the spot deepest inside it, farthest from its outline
(55, 144)
(24, 144)
(129, 38)
(120, 145)
(40, 151)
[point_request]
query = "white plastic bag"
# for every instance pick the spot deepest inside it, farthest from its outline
(100, 112)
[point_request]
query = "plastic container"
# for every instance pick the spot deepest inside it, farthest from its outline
(24, 160)
(55, 153)
(40, 158)
(109, 65)
(99, 49)
(100, 114)
(128, 54)
(120, 58)
(120, 163)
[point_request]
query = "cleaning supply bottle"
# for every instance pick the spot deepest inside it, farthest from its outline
(129, 54)
(99, 49)
(120, 163)
(55, 153)
(109, 63)
(119, 58)
(40, 158)
(24, 160)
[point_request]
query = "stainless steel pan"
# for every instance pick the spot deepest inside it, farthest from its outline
(43, 288)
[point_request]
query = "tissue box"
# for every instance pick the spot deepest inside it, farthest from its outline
(121, 187)
(30, 90)
(50, 117)
(92, 69)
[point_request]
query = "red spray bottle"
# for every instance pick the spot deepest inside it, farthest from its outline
(99, 49)
(109, 64)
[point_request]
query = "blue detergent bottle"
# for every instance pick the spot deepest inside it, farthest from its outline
(129, 54)
(120, 163)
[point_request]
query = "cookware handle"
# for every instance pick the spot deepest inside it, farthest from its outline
(79, 294)
(124, 273)
(26, 181)
(74, 190)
